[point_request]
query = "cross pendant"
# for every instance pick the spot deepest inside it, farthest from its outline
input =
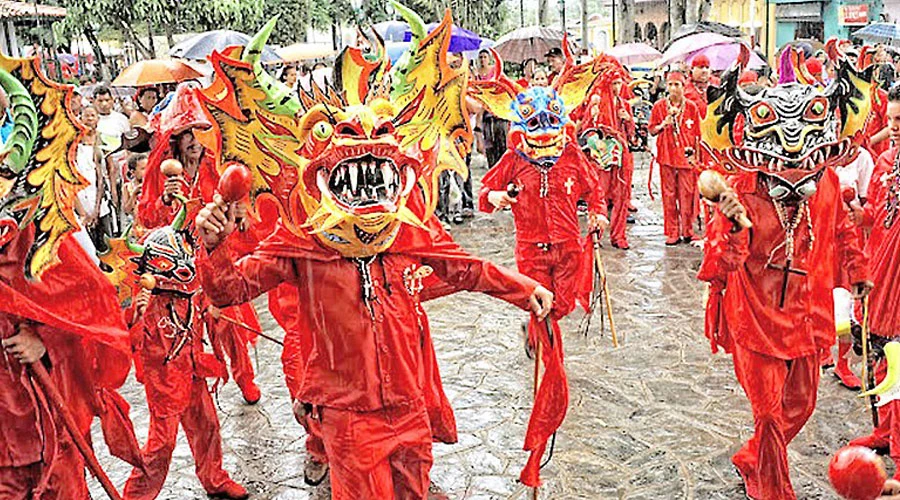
(787, 270)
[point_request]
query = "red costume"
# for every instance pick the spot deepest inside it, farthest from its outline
(78, 320)
(368, 360)
(186, 112)
(776, 348)
(602, 113)
(883, 247)
(678, 178)
(549, 246)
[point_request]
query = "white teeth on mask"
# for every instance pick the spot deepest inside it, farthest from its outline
(354, 177)
(322, 181)
(388, 173)
(410, 180)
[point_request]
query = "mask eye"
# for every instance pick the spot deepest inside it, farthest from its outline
(534, 123)
(762, 114)
(555, 107)
(386, 128)
(322, 131)
(347, 130)
(808, 188)
(816, 110)
(526, 111)
(161, 263)
(554, 120)
(779, 192)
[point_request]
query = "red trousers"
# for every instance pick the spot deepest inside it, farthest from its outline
(201, 426)
(557, 268)
(378, 455)
(679, 201)
(66, 481)
(783, 396)
(235, 347)
(614, 183)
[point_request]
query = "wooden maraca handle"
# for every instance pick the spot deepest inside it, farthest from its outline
(711, 185)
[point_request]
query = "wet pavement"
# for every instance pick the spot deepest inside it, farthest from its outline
(657, 418)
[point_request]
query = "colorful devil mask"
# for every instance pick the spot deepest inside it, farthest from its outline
(38, 178)
(793, 130)
(539, 116)
(167, 254)
(342, 163)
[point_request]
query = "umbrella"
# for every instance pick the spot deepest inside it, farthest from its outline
(392, 31)
(528, 42)
(704, 27)
(888, 33)
(809, 46)
(634, 53)
(681, 49)
(202, 45)
(461, 40)
(305, 52)
(155, 71)
(723, 55)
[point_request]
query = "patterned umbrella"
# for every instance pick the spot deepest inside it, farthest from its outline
(528, 42)
(888, 33)
(681, 49)
(202, 45)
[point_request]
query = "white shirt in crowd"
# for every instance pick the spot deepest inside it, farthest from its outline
(857, 174)
(88, 169)
(111, 127)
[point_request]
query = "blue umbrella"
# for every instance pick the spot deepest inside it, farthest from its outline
(392, 31)
(888, 33)
(202, 45)
(461, 40)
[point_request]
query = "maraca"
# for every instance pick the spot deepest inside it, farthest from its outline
(512, 190)
(712, 185)
(848, 194)
(171, 167)
(148, 282)
(234, 184)
(857, 473)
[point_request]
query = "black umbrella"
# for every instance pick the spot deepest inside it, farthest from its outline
(201, 46)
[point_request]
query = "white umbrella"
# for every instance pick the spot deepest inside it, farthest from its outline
(528, 42)
(634, 53)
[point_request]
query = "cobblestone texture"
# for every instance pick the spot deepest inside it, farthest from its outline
(657, 418)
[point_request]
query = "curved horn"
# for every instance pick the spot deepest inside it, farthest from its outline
(178, 223)
(279, 98)
(18, 148)
(415, 22)
(569, 66)
(786, 67)
(134, 247)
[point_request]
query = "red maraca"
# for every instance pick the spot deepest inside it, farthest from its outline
(848, 194)
(857, 473)
(235, 183)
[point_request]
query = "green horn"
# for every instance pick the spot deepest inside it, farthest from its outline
(20, 144)
(416, 24)
(279, 98)
(178, 223)
(134, 247)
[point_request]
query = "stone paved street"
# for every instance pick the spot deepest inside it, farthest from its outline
(657, 418)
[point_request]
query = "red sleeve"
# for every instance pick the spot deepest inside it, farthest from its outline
(151, 211)
(292, 361)
(849, 242)
(694, 134)
(628, 125)
(496, 179)
(876, 193)
(725, 251)
(657, 114)
(227, 284)
(476, 275)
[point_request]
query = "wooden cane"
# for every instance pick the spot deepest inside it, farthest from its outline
(598, 261)
(865, 355)
(42, 378)
(536, 385)
(248, 327)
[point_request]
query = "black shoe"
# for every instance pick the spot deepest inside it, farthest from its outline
(629, 219)
(458, 219)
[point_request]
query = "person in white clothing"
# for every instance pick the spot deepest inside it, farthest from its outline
(92, 207)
